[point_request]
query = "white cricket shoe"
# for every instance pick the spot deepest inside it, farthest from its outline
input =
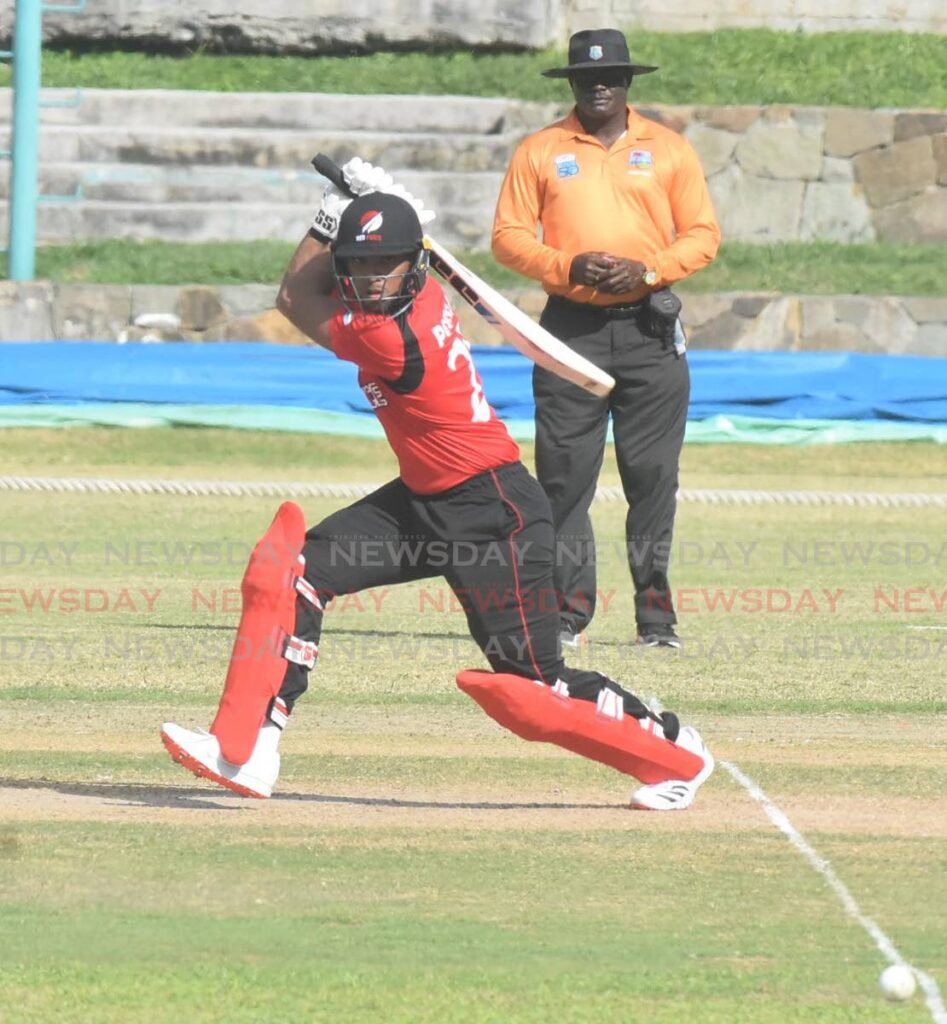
(199, 752)
(676, 794)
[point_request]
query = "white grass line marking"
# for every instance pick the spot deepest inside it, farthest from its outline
(933, 998)
(925, 627)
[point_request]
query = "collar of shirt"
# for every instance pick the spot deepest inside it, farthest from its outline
(638, 128)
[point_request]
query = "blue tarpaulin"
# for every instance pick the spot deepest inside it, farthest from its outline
(62, 378)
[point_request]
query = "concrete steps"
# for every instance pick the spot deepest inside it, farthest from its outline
(207, 222)
(330, 111)
(265, 148)
(130, 182)
(204, 166)
(206, 203)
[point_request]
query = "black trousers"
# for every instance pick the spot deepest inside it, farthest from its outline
(491, 538)
(648, 409)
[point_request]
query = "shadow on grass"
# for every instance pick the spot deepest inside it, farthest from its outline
(130, 794)
(451, 805)
(621, 645)
(182, 796)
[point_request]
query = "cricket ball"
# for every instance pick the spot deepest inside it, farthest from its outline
(897, 982)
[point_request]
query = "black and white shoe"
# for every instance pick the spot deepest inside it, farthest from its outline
(677, 794)
(658, 634)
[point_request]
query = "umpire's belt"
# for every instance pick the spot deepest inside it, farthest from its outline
(620, 312)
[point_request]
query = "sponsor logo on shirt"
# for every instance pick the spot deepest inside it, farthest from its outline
(373, 393)
(640, 161)
(567, 166)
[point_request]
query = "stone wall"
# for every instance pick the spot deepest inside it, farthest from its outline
(43, 311)
(286, 26)
(781, 173)
(786, 15)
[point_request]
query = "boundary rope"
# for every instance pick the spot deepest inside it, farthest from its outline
(288, 488)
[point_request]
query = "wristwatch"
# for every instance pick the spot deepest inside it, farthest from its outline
(650, 277)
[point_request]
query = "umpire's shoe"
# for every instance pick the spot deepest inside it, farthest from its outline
(658, 634)
(676, 794)
(199, 752)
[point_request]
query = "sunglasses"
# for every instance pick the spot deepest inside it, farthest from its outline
(609, 77)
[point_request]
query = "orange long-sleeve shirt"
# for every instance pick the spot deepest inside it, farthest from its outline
(644, 199)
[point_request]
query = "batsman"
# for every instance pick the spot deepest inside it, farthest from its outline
(463, 507)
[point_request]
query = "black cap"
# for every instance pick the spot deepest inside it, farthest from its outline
(598, 48)
(378, 224)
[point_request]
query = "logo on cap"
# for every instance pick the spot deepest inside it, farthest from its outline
(370, 223)
(595, 52)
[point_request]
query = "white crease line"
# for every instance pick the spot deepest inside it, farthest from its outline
(925, 627)
(935, 1002)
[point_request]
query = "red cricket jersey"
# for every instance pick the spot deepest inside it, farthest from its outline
(419, 376)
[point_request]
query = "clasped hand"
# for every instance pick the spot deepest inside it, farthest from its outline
(606, 273)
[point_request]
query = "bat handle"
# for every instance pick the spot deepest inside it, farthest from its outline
(329, 169)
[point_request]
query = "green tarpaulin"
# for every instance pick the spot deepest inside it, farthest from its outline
(714, 430)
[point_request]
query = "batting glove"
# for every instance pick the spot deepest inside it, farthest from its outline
(364, 177)
(325, 224)
(425, 216)
(361, 177)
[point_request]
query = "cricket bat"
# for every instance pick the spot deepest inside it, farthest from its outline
(512, 323)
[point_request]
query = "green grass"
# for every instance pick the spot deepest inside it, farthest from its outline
(191, 554)
(419, 865)
(805, 268)
(126, 261)
(825, 268)
(729, 66)
(418, 928)
(199, 453)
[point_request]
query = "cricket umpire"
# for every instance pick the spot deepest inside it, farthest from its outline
(624, 213)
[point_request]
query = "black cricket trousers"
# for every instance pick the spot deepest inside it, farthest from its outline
(648, 409)
(491, 538)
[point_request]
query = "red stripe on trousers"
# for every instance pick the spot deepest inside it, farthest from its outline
(516, 575)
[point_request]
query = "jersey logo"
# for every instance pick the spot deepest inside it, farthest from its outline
(641, 159)
(373, 393)
(567, 166)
